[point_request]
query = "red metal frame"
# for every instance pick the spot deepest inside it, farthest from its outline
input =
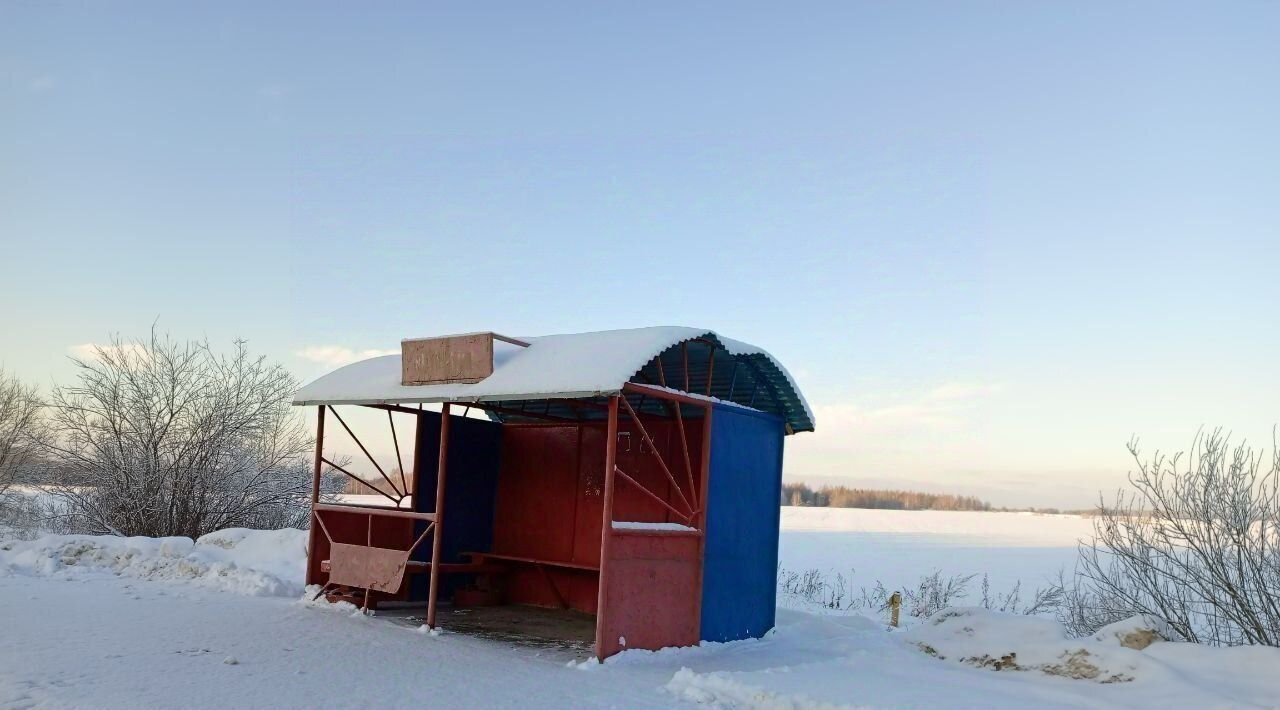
(690, 494)
(434, 519)
(696, 518)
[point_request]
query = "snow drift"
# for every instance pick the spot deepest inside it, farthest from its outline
(1134, 651)
(250, 562)
(1010, 642)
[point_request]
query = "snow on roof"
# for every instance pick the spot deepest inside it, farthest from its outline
(551, 367)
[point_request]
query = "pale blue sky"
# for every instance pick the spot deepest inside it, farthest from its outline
(992, 240)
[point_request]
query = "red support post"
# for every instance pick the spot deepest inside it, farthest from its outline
(315, 495)
(315, 478)
(439, 520)
(606, 532)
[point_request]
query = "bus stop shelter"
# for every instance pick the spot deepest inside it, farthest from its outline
(630, 475)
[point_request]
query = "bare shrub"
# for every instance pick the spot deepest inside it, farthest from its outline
(929, 595)
(1195, 543)
(815, 587)
(166, 438)
(935, 593)
(22, 432)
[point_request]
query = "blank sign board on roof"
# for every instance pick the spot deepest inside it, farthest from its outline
(466, 358)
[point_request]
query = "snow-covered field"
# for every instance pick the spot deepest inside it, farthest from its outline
(898, 547)
(129, 623)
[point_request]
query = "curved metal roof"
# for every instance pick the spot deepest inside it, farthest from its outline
(588, 365)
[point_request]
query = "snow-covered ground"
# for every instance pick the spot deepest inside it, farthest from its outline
(112, 623)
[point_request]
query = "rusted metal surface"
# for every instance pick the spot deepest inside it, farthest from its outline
(441, 471)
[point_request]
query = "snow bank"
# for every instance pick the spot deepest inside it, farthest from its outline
(998, 641)
(1137, 632)
(1162, 672)
(250, 562)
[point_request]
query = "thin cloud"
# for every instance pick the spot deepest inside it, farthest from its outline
(337, 355)
(920, 434)
(961, 391)
(95, 351)
(940, 408)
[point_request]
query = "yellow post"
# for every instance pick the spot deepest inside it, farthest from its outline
(895, 603)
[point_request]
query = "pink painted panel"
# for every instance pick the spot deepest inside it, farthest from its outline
(652, 593)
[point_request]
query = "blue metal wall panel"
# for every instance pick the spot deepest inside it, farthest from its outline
(475, 452)
(740, 566)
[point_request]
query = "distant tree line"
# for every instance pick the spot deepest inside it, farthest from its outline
(842, 497)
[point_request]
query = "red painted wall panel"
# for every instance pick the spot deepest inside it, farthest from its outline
(652, 592)
(549, 499)
(536, 492)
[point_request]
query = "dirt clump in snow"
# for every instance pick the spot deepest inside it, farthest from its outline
(1137, 632)
(1011, 642)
